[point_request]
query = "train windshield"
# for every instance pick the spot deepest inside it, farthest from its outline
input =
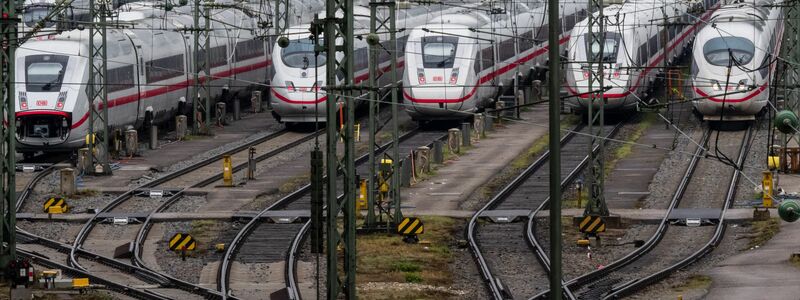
(439, 52)
(609, 48)
(300, 54)
(719, 50)
(44, 73)
(35, 14)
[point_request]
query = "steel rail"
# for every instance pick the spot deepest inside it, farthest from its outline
(530, 233)
(111, 285)
(653, 241)
(39, 259)
(719, 232)
(292, 256)
(144, 230)
(495, 287)
(143, 273)
(223, 274)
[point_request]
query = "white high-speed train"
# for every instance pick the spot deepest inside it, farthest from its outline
(735, 59)
(76, 13)
(296, 93)
(455, 63)
(150, 67)
(633, 51)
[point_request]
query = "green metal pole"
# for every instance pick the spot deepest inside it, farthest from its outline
(597, 203)
(98, 94)
(555, 150)
(207, 83)
(332, 162)
(8, 32)
(373, 106)
(398, 214)
(349, 154)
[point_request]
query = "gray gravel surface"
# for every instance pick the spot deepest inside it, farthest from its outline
(199, 157)
(64, 232)
(187, 204)
(190, 268)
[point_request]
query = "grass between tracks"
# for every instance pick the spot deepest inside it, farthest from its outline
(762, 231)
(693, 282)
(618, 151)
(525, 159)
(387, 265)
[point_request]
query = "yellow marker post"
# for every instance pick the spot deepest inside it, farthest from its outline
(227, 171)
(362, 196)
(766, 188)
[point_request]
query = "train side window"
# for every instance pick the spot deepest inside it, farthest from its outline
(542, 33)
(120, 78)
(569, 22)
(249, 49)
(165, 68)
(506, 49)
(642, 55)
(487, 57)
(526, 41)
(476, 65)
(361, 59)
(653, 45)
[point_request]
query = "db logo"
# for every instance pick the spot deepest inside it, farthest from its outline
(41, 102)
(438, 78)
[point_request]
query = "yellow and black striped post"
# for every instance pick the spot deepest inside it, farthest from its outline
(410, 228)
(55, 205)
(592, 224)
(182, 242)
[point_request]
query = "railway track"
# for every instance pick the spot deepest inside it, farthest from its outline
(630, 273)
(179, 182)
(45, 252)
(501, 244)
(262, 242)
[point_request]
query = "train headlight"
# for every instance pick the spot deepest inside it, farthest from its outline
(454, 76)
(715, 85)
(742, 85)
(23, 101)
(290, 87)
(421, 76)
(62, 97)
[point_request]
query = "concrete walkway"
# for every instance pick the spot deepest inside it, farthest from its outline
(763, 273)
(455, 181)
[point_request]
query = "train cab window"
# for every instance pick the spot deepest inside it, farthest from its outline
(44, 73)
(609, 48)
(35, 13)
(300, 54)
(439, 51)
(719, 50)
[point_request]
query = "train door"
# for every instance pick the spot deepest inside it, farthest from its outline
(138, 55)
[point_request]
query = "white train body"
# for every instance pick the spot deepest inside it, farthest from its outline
(457, 62)
(634, 50)
(76, 13)
(728, 89)
(150, 67)
(297, 96)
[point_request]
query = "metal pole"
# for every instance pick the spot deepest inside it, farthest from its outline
(207, 70)
(98, 94)
(373, 107)
(398, 214)
(8, 32)
(596, 204)
(201, 63)
(342, 30)
(555, 150)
